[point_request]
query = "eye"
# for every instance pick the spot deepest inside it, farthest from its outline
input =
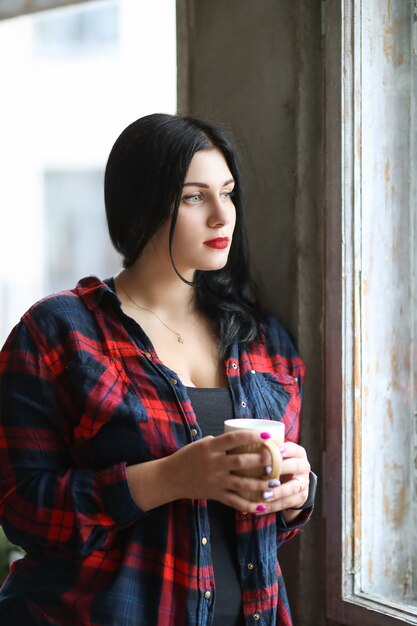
(192, 198)
(227, 194)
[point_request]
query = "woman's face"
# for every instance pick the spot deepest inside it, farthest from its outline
(206, 216)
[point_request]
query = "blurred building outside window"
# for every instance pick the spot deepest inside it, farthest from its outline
(91, 29)
(75, 227)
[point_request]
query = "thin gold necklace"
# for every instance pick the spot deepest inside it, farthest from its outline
(180, 338)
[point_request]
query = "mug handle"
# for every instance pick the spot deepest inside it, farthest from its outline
(276, 459)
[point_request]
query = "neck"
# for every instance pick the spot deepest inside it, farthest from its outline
(157, 288)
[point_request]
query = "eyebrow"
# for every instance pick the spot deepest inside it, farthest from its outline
(205, 186)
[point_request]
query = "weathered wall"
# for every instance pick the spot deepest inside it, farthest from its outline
(255, 65)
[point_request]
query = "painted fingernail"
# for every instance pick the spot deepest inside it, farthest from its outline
(267, 495)
(274, 483)
(261, 508)
(265, 435)
(268, 469)
(282, 449)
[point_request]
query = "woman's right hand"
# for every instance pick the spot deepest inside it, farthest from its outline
(202, 470)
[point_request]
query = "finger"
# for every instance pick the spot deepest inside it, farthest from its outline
(235, 439)
(295, 466)
(242, 504)
(246, 461)
(241, 484)
(264, 453)
(266, 490)
(303, 483)
(293, 493)
(259, 462)
(291, 449)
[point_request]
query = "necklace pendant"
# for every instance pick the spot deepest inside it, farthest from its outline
(180, 339)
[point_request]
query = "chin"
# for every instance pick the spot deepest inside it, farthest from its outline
(216, 262)
(206, 265)
(212, 267)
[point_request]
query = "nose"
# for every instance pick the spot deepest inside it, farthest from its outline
(220, 213)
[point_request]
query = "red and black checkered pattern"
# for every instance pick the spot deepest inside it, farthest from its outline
(82, 395)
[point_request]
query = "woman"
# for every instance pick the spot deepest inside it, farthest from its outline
(115, 474)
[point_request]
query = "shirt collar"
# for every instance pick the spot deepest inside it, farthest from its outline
(92, 290)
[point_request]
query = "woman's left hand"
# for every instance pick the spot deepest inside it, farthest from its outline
(295, 480)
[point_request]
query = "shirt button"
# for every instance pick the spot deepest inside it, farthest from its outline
(204, 541)
(207, 595)
(148, 355)
(234, 366)
(256, 617)
(114, 360)
(295, 379)
(253, 371)
(193, 432)
(243, 404)
(173, 381)
(251, 566)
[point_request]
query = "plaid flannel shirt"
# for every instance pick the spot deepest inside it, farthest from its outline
(80, 400)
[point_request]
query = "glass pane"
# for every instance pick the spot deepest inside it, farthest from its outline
(72, 201)
(92, 28)
(72, 79)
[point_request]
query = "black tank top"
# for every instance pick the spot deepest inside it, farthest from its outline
(212, 407)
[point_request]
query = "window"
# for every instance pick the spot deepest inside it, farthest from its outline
(371, 504)
(76, 239)
(72, 78)
(79, 30)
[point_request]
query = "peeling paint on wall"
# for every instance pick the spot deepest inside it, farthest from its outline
(384, 510)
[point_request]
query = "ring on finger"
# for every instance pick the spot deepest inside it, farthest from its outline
(300, 483)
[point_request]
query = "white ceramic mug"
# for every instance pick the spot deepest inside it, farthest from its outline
(277, 432)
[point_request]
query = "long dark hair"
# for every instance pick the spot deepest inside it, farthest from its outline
(143, 185)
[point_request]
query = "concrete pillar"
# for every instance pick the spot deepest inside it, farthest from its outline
(255, 66)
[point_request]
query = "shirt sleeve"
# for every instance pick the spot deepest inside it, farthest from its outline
(287, 531)
(44, 500)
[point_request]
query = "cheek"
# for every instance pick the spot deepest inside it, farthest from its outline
(187, 228)
(159, 243)
(234, 220)
(232, 223)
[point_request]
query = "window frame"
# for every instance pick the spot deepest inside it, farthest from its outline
(342, 188)
(15, 8)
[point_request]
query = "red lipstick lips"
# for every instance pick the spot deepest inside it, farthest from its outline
(220, 243)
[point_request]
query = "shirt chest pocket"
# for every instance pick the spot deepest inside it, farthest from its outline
(278, 395)
(103, 395)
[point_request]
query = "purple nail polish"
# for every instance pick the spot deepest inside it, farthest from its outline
(268, 469)
(267, 495)
(261, 508)
(265, 436)
(274, 483)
